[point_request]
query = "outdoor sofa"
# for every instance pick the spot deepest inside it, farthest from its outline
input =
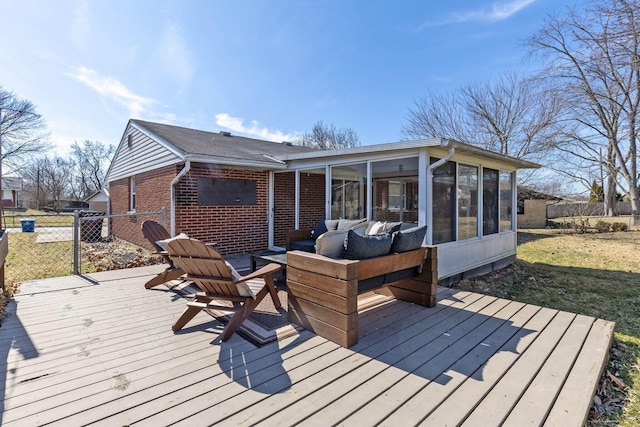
(323, 286)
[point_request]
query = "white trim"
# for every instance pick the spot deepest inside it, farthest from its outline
(369, 191)
(327, 192)
(296, 198)
(172, 210)
(270, 209)
(423, 195)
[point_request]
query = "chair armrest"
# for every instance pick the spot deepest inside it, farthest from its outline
(295, 235)
(268, 269)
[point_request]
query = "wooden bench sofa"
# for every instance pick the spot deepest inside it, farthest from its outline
(323, 291)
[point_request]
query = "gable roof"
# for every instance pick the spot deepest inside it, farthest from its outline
(221, 144)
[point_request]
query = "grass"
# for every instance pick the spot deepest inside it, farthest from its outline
(43, 219)
(28, 260)
(596, 274)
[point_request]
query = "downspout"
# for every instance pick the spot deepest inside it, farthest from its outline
(430, 169)
(172, 213)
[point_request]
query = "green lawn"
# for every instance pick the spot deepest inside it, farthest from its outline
(596, 274)
(43, 219)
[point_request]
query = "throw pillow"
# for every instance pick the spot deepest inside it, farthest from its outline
(392, 227)
(360, 228)
(363, 247)
(164, 243)
(331, 224)
(346, 224)
(376, 228)
(408, 240)
(320, 229)
(331, 244)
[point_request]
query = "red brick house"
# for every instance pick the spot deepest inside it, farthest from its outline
(244, 194)
(213, 186)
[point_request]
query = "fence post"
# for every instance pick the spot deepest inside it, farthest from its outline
(163, 216)
(76, 241)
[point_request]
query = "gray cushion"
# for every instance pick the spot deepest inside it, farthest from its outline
(164, 243)
(346, 224)
(363, 247)
(392, 227)
(408, 240)
(331, 224)
(331, 243)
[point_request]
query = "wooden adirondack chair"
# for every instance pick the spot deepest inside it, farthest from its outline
(217, 281)
(154, 232)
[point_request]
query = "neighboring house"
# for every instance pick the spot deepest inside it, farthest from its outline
(532, 208)
(244, 194)
(98, 201)
(11, 189)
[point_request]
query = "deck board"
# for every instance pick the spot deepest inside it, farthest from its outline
(101, 351)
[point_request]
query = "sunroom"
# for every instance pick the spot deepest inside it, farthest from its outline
(466, 196)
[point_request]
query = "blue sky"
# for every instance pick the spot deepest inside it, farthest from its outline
(267, 69)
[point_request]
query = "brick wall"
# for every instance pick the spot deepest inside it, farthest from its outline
(311, 202)
(153, 192)
(312, 199)
(535, 214)
(284, 203)
(234, 229)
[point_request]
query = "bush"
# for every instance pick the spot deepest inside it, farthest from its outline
(619, 226)
(603, 227)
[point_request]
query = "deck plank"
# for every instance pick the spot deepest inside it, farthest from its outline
(464, 399)
(498, 403)
(311, 393)
(537, 400)
(571, 407)
(77, 352)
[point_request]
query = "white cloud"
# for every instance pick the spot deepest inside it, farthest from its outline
(112, 89)
(81, 26)
(175, 55)
(236, 124)
(497, 12)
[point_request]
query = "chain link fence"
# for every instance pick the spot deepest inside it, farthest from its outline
(43, 245)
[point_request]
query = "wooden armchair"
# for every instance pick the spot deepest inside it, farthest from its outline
(154, 232)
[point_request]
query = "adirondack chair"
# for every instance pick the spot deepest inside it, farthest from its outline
(154, 232)
(218, 281)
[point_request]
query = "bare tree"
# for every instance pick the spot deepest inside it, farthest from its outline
(328, 137)
(90, 163)
(47, 181)
(514, 116)
(593, 57)
(22, 131)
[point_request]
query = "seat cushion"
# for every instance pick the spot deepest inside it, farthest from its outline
(408, 240)
(164, 243)
(308, 245)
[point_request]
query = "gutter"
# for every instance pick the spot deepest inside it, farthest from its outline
(172, 209)
(441, 162)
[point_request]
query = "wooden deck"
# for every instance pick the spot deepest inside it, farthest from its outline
(77, 352)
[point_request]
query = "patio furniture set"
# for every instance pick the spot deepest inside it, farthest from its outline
(347, 258)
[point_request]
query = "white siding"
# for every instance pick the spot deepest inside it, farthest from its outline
(145, 153)
(458, 257)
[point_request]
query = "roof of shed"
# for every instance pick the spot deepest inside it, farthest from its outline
(221, 144)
